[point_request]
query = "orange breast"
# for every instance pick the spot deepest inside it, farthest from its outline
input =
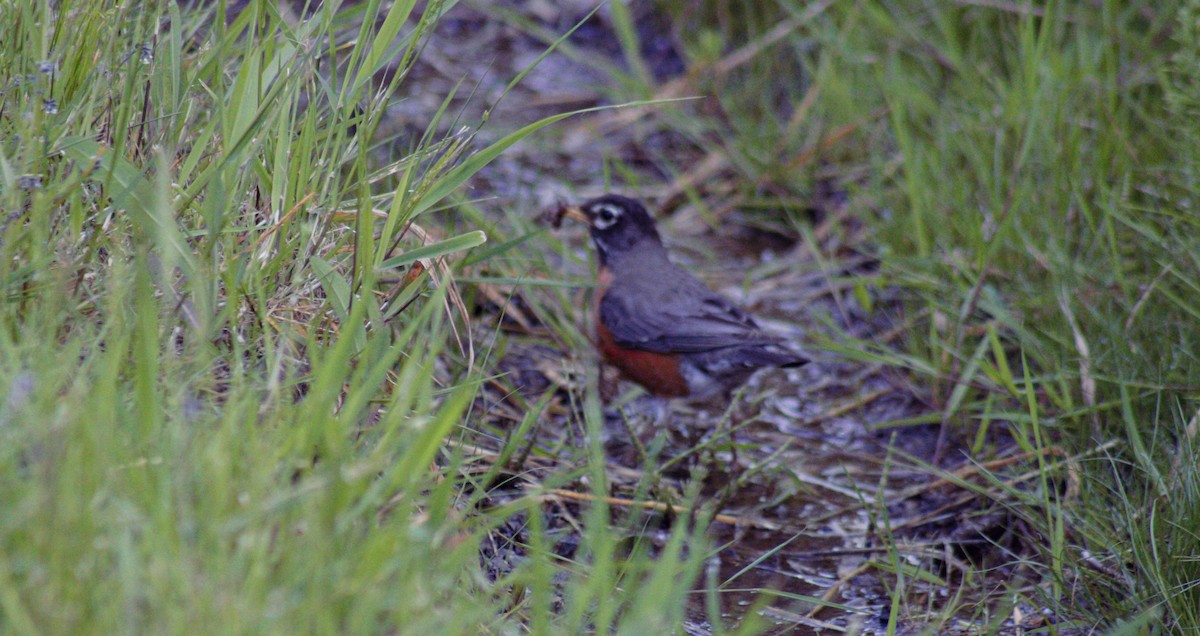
(657, 372)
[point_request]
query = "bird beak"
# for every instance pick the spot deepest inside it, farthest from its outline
(572, 212)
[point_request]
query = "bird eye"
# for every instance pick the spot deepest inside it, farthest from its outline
(605, 216)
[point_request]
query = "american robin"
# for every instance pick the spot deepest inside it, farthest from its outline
(657, 323)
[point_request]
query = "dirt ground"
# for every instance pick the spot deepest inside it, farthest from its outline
(820, 489)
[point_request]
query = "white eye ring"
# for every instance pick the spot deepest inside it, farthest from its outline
(605, 215)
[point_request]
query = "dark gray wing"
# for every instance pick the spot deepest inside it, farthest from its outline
(684, 319)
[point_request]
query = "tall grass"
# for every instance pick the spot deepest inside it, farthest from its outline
(1041, 220)
(233, 346)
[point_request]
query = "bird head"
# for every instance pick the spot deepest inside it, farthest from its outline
(617, 224)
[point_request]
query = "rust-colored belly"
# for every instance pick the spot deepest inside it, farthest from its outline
(657, 372)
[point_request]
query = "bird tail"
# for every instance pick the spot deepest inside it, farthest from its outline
(776, 355)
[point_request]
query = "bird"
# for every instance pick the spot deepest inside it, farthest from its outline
(657, 323)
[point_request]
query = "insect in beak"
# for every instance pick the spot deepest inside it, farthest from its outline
(572, 212)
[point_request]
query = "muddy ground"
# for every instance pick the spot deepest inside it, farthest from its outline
(821, 490)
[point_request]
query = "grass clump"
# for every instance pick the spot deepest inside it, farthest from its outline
(233, 348)
(1038, 218)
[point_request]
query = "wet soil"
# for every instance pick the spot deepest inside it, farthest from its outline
(821, 473)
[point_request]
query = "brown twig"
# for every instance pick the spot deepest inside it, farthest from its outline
(995, 490)
(659, 506)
